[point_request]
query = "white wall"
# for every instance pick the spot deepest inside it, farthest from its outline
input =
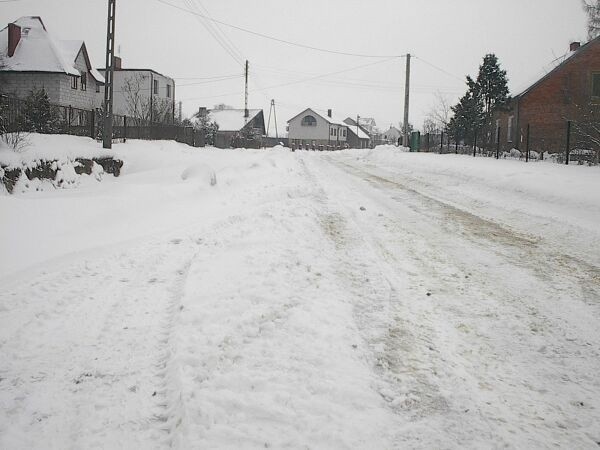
(146, 77)
(319, 133)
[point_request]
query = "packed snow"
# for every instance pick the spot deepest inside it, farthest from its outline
(274, 299)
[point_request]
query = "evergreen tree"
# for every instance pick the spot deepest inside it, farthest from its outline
(207, 127)
(468, 115)
(491, 85)
(38, 116)
(474, 111)
(592, 8)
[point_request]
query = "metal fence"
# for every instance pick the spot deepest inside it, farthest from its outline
(571, 148)
(16, 115)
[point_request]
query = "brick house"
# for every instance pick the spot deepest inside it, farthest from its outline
(30, 58)
(142, 94)
(566, 92)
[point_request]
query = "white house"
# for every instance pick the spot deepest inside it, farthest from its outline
(312, 129)
(31, 58)
(143, 94)
(392, 135)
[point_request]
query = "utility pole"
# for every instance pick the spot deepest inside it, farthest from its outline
(108, 77)
(246, 112)
(406, 100)
(275, 118)
(357, 135)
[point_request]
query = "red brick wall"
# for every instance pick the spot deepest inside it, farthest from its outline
(549, 105)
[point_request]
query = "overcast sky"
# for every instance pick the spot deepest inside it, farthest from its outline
(453, 35)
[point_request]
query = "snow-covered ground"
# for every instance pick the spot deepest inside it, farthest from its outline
(270, 299)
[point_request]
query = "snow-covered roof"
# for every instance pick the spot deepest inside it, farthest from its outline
(361, 134)
(38, 51)
(351, 123)
(232, 119)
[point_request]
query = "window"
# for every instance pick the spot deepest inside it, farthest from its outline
(156, 87)
(509, 129)
(97, 87)
(168, 90)
(333, 131)
(83, 82)
(309, 121)
(596, 85)
(74, 81)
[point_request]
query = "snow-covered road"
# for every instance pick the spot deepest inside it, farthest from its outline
(308, 300)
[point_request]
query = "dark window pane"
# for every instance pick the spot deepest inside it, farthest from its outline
(596, 85)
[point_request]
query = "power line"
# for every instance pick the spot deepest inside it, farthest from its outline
(273, 38)
(304, 80)
(208, 26)
(439, 69)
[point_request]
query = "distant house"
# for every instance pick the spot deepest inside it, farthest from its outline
(143, 94)
(357, 135)
(236, 128)
(567, 91)
(31, 58)
(312, 129)
(368, 124)
(392, 135)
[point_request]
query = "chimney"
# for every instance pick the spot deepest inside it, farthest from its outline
(329, 113)
(202, 111)
(575, 46)
(118, 63)
(14, 36)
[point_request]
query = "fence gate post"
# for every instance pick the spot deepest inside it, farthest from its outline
(69, 115)
(92, 122)
(475, 145)
(568, 142)
(498, 144)
(124, 128)
(527, 141)
(442, 142)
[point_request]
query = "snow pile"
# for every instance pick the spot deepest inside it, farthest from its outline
(200, 172)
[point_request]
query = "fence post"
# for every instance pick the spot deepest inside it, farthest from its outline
(568, 142)
(92, 122)
(442, 142)
(69, 115)
(448, 147)
(475, 145)
(124, 128)
(527, 149)
(456, 147)
(498, 144)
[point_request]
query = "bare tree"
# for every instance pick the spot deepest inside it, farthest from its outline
(439, 115)
(142, 106)
(586, 128)
(592, 8)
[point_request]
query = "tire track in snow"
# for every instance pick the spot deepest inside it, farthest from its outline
(480, 355)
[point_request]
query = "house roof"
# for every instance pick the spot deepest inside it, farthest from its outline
(232, 119)
(362, 134)
(38, 51)
(103, 69)
(556, 65)
(333, 120)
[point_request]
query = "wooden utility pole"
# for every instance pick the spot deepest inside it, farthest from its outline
(406, 101)
(108, 77)
(246, 112)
